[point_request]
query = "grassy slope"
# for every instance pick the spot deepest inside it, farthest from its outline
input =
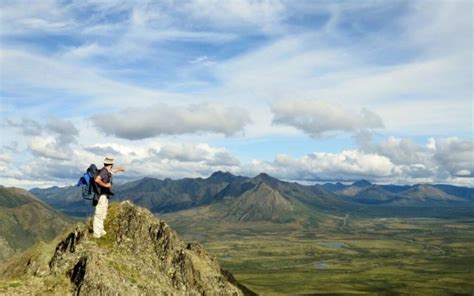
(24, 220)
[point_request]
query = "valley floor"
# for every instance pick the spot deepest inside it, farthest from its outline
(345, 255)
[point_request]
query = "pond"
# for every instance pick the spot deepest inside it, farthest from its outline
(320, 265)
(332, 245)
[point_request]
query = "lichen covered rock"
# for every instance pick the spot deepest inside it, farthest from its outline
(140, 255)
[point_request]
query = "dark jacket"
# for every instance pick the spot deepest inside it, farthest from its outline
(106, 177)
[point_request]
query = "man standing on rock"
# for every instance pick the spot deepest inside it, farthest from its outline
(104, 182)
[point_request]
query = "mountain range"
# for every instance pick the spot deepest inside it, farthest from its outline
(416, 195)
(265, 198)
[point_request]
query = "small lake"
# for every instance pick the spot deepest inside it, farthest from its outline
(332, 245)
(321, 265)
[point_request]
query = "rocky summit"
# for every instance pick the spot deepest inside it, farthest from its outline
(139, 255)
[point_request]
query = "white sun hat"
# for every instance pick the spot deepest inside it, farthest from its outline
(108, 160)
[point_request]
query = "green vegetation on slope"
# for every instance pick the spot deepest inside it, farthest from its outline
(25, 220)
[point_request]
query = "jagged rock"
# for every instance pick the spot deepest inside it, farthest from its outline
(140, 255)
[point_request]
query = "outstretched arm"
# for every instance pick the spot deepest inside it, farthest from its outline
(118, 170)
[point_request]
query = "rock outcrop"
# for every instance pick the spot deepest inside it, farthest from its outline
(140, 255)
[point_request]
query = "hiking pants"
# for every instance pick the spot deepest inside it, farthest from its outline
(100, 215)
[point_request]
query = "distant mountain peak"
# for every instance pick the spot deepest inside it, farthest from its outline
(146, 180)
(427, 189)
(221, 176)
(265, 177)
(140, 254)
(362, 183)
(333, 187)
(262, 203)
(423, 186)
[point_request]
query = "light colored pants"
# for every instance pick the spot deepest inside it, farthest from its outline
(100, 215)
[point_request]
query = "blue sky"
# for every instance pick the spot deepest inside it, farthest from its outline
(303, 90)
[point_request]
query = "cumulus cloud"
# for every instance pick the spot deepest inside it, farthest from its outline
(103, 150)
(439, 158)
(454, 154)
(50, 166)
(394, 160)
(401, 151)
(64, 129)
(162, 119)
(391, 161)
(448, 155)
(346, 165)
(464, 173)
(338, 56)
(5, 159)
(178, 160)
(48, 147)
(55, 139)
(196, 153)
(52, 139)
(46, 170)
(317, 118)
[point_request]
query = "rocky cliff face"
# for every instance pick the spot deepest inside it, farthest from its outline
(140, 255)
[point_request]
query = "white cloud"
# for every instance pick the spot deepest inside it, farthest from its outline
(52, 139)
(440, 28)
(48, 147)
(346, 165)
(439, 159)
(202, 61)
(464, 173)
(64, 130)
(5, 160)
(395, 160)
(180, 160)
(413, 163)
(413, 70)
(49, 164)
(196, 153)
(318, 118)
(403, 151)
(162, 119)
(454, 154)
(263, 15)
(23, 17)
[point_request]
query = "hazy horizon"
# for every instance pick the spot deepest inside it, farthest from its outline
(121, 181)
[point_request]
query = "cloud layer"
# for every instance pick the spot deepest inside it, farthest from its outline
(304, 90)
(317, 118)
(162, 119)
(393, 160)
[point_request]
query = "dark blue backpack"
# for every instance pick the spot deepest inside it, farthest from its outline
(87, 181)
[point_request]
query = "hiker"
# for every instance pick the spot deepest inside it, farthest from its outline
(104, 183)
